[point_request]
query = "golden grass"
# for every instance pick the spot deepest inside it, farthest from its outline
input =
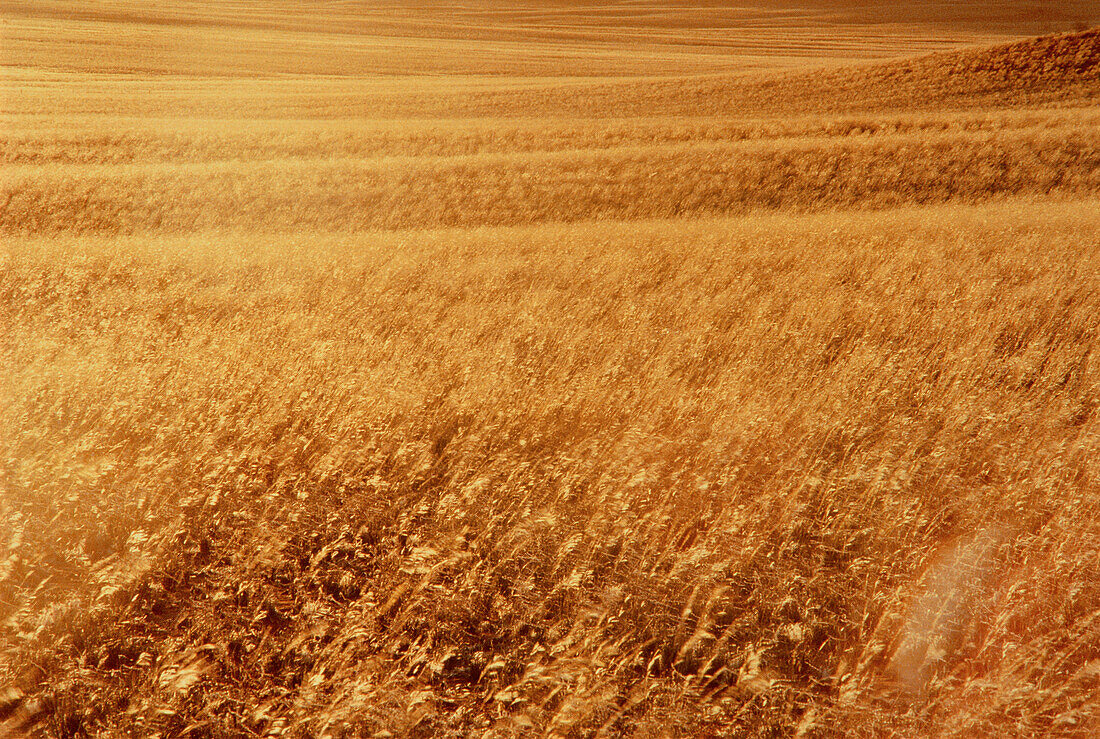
(569, 477)
(584, 388)
(1056, 70)
(92, 140)
(624, 183)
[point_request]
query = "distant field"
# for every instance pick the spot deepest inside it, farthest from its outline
(263, 39)
(549, 369)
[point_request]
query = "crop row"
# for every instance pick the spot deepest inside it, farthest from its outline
(118, 142)
(627, 183)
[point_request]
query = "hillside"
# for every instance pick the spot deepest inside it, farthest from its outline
(550, 369)
(185, 177)
(558, 38)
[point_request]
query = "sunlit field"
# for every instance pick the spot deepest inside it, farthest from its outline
(548, 369)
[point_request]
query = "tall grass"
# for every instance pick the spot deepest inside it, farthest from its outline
(345, 404)
(624, 183)
(768, 474)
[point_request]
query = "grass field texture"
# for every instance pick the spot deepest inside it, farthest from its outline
(549, 369)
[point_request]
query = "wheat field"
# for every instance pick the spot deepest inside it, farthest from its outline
(564, 369)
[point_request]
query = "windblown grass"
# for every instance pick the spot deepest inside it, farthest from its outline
(666, 401)
(561, 478)
(623, 183)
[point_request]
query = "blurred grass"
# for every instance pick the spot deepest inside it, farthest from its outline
(503, 459)
(515, 405)
(506, 189)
